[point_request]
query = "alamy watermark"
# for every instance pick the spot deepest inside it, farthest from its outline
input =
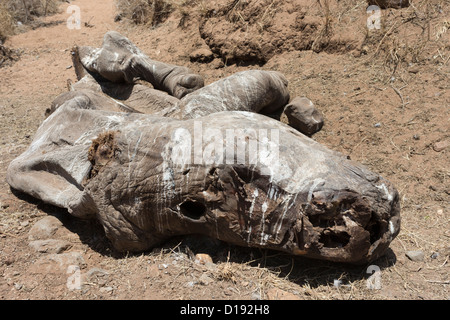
(74, 280)
(74, 20)
(374, 12)
(374, 19)
(230, 146)
(374, 280)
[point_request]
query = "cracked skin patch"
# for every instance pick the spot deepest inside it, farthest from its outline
(102, 150)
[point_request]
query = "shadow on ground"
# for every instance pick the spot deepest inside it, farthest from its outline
(299, 270)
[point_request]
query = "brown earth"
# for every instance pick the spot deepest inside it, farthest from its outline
(385, 98)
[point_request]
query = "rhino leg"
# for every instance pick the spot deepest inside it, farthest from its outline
(252, 90)
(131, 97)
(119, 60)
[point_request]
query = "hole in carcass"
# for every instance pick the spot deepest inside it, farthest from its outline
(212, 171)
(102, 150)
(332, 239)
(192, 209)
(247, 175)
(374, 231)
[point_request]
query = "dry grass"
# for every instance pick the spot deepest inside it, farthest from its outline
(6, 22)
(19, 12)
(397, 45)
(151, 12)
(260, 13)
(248, 274)
(251, 273)
(325, 32)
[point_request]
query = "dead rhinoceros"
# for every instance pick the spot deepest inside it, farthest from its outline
(147, 178)
(199, 166)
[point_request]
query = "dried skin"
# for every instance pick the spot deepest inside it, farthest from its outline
(119, 60)
(102, 150)
(101, 159)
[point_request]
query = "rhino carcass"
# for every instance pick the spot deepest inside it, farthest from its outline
(237, 176)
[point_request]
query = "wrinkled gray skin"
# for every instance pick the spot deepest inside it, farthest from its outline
(147, 177)
(257, 91)
(119, 60)
(302, 115)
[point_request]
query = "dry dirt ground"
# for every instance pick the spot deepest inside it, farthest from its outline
(385, 98)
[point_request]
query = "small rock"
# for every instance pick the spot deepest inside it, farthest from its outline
(216, 64)
(44, 228)
(203, 258)
(4, 205)
(434, 255)
(337, 283)
(106, 289)
(18, 286)
(302, 115)
(415, 255)
(377, 125)
(97, 275)
(24, 223)
(96, 272)
(441, 145)
(278, 294)
(365, 50)
(8, 261)
(413, 70)
(256, 296)
(204, 279)
(50, 245)
(57, 263)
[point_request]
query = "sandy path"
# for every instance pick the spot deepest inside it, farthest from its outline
(44, 66)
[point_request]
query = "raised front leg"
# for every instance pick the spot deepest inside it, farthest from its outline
(119, 60)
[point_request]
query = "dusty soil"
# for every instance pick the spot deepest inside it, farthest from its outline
(385, 98)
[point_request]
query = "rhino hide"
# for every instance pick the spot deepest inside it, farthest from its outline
(198, 159)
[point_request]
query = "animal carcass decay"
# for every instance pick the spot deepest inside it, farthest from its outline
(198, 159)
